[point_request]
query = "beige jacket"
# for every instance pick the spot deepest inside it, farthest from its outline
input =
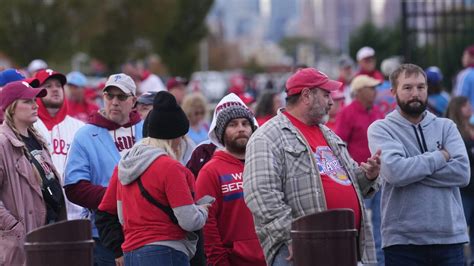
(22, 208)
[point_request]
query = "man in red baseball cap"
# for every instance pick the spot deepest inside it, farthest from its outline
(295, 166)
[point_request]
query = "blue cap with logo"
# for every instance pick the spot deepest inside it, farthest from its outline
(10, 75)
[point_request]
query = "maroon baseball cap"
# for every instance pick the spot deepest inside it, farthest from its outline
(18, 90)
(45, 74)
(310, 78)
(174, 82)
(470, 50)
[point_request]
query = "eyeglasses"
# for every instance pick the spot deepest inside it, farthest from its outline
(121, 97)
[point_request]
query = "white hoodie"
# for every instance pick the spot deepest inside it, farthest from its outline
(228, 100)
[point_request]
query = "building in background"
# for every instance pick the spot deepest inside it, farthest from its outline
(256, 24)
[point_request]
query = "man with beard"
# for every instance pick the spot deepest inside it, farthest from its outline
(229, 234)
(296, 166)
(56, 126)
(424, 162)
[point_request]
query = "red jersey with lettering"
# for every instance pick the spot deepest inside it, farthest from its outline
(338, 188)
(229, 233)
(124, 138)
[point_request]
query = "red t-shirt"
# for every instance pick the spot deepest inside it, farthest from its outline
(338, 188)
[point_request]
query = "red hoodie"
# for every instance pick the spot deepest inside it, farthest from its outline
(47, 119)
(229, 233)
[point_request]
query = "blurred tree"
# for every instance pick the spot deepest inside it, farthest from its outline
(30, 29)
(252, 67)
(444, 44)
(110, 30)
(129, 29)
(180, 46)
(386, 41)
(290, 45)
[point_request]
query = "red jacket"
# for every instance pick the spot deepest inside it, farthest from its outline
(229, 234)
(167, 181)
(352, 124)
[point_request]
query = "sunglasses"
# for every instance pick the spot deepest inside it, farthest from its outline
(121, 97)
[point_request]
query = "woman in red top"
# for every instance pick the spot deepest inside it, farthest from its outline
(157, 235)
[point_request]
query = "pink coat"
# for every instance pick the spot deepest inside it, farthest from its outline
(22, 208)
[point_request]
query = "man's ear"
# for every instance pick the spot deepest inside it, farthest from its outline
(393, 91)
(305, 94)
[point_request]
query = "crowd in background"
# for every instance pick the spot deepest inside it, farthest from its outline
(80, 147)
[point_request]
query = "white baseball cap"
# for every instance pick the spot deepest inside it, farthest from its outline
(365, 52)
(36, 65)
(122, 81)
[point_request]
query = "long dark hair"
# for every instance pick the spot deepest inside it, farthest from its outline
(453, 112)
(265, 104)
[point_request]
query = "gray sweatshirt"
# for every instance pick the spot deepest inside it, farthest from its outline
(421, 203)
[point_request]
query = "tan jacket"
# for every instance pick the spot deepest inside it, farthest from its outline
(22, 208)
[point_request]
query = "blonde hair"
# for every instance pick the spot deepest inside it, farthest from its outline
(193, 102)
(165, 144)
(9, 121)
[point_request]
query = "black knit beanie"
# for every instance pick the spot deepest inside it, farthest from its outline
(166, 120)
(146, 122)
(229, 113)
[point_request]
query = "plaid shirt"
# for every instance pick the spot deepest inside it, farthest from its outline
(279, 185)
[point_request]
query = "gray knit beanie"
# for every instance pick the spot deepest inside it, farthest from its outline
(229, 113)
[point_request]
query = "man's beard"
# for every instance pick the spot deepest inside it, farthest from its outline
(319, 114)
(50, 104)
(325, 119)
(237, 146)
(413, 111)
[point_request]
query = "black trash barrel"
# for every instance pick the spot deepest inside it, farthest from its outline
(64, 243)
(327, 238)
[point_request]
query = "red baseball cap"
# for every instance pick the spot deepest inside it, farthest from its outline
(45, 74)
(310, 78)
(34, 82)
(18, 90)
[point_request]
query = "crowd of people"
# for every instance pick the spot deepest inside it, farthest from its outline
(166, 180)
